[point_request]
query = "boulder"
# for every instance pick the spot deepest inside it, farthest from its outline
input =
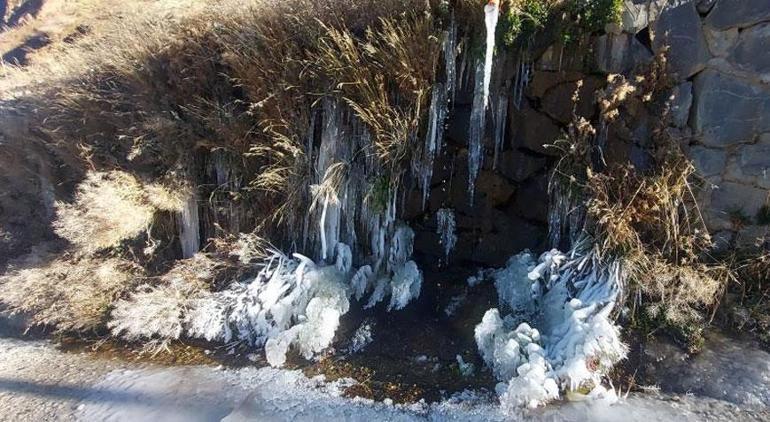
(533, 131)
(492, 189)
(681, 101)
(518, 166)
(542, 81)
(733, 201)
(707, 161)
(720, 43)
(738, 13)
(679, 29)
(750, 164)
(751, 237)
(751, 51)
(557, 101)
(727, 110)
(705, 6)
(620, 53)
(531, 200)
(638, 14)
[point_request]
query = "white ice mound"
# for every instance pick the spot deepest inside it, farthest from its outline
(292, 302)
(569, 299)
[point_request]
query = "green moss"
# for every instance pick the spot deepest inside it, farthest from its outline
(523, 22)
(379, 193)
(594, 15)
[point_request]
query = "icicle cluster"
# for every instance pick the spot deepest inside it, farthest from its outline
(476, 128)
(446, 229)
(565, 214)
(491, 15)
(569, 298)
(225, 212)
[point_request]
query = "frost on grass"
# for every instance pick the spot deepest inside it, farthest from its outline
(110, 207)
(69, 294)
(570, 342)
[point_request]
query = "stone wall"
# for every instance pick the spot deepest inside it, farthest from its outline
(719, 51)
(718, 54)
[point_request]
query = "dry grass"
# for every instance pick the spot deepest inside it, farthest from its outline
(385, 79)
(71, 295)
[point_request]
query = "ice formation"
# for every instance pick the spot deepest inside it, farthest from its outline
(292, 301)
(476, 129)
(361, 338)
(569, 298)
(521, 78)
(433, 139)
(189, 227)
(467, 369)
(491, 14)
(482, 79)
(446, 229)
(501, 121)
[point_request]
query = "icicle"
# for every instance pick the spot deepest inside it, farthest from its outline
(433, 140)
(450, 59)
(501, 120)
(521, 79)
(446, 227)
(189, 227)
(491, 14)
(476, 131)
(333, 150)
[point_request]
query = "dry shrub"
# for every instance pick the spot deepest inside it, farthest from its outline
(649, 219)
(653, 223)
(112, 207)
(72, 295)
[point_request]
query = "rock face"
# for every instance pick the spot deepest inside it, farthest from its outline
(728, 110)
